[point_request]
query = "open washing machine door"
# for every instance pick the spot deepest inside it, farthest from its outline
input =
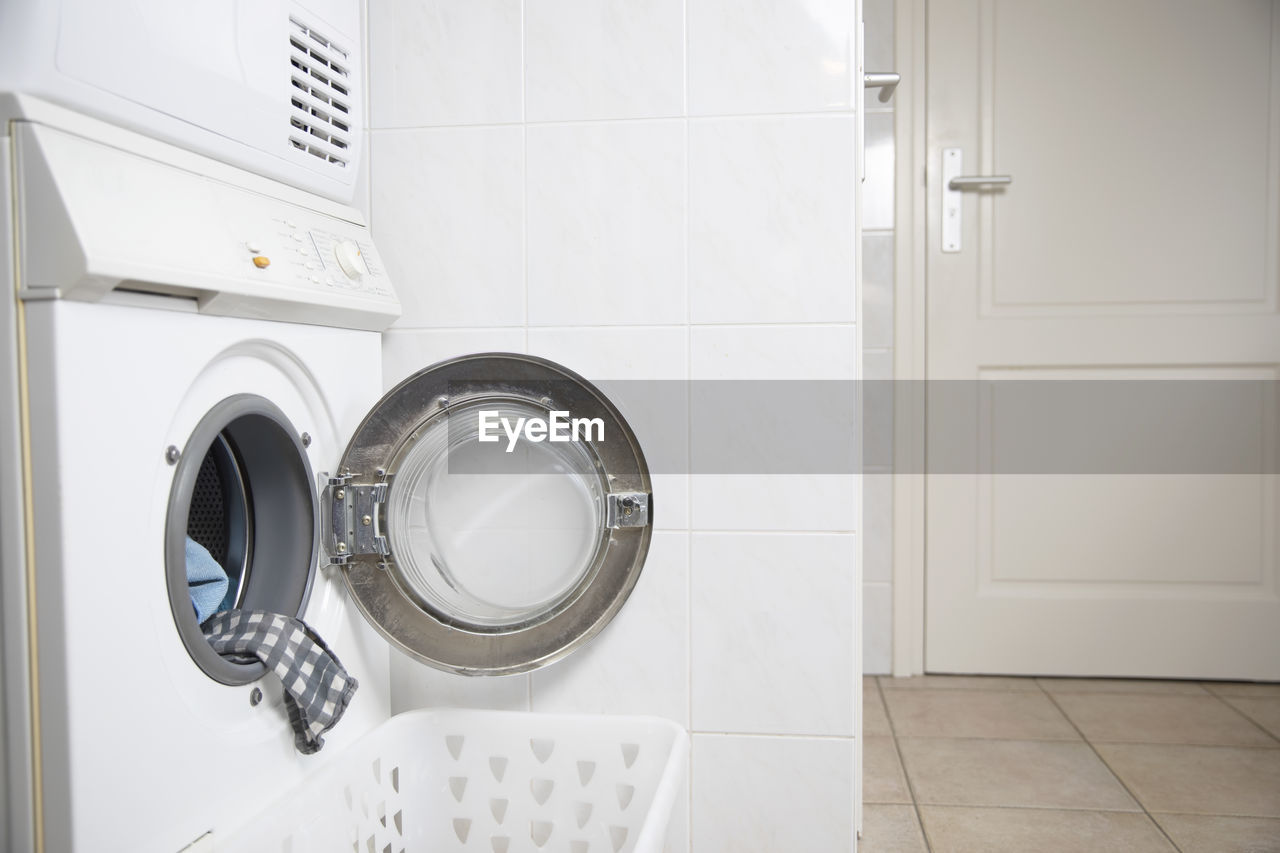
(491, 514)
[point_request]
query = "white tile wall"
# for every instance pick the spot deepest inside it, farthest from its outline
(741, 784)
(607, 59)
(877, 289)
(656, 190)
(448, 213)
(407, 351)
(774, 632)
(440, 62)
(770, 56)
(877, 621)
(877, 339)
(628, 354)
(877, 197)
(640, 663)
(877, 544)
(773, 352)
(606, 224)
(778, 501)
(770, 211)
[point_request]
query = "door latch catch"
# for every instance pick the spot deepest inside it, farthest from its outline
(628, 509)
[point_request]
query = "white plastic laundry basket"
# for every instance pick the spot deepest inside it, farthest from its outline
(492, 781)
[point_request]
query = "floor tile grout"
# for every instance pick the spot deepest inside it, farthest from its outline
(1138, 806)
(1114, 774)
(1017, 808)
(1089, 809)
(1241, 713)
(911, 790)
(1263, 747)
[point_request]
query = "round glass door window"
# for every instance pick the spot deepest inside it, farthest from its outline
(491, 514)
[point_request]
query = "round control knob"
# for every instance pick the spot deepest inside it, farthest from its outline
(347, 253)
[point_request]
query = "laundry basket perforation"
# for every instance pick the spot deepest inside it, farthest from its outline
(457, 787)
(586, 769)
(542, 748)
(618, 835)
(454, 744)
(625, 794)
(630, 751)
(498, 766)
(498, 807)
(540, 832)
(462, 828)
(500, 843)
(541, 790)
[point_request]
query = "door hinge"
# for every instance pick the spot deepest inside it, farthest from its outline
(628, 509)
(352, 516)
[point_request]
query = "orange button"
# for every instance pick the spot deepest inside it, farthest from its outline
(261, 261)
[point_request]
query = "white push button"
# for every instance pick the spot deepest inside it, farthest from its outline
(347, 254)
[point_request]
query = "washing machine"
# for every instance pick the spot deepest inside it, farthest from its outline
(194, 351)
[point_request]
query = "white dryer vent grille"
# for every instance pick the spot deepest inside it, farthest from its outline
(321, 118)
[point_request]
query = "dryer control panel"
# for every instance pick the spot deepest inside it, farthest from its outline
(319, 258)
(106, 209)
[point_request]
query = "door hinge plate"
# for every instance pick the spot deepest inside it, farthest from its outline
(352, 519)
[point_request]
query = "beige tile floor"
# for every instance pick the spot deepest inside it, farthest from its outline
(957, 764)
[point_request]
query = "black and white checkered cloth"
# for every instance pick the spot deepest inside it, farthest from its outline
(316, 687)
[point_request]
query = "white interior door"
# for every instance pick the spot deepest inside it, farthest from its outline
(1138, 240)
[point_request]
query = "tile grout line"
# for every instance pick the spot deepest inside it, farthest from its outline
(622, 119)
(1110, 769)
(1250, 719)
(524, 220)
(1025, 739)
(911, 788)
(524, 192)
(688, 376)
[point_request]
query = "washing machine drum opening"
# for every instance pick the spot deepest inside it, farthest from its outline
(488, 535)
(243, 490)
(218, 519)
(478, 547)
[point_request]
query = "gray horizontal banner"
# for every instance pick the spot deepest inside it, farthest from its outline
(973, 427)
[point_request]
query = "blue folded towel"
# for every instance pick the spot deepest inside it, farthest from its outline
(206, 581)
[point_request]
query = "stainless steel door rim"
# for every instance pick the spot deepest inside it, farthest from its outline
(489, 558)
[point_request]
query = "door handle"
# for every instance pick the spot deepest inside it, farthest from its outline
(965, 182)
(885, 81)
(954, 183)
